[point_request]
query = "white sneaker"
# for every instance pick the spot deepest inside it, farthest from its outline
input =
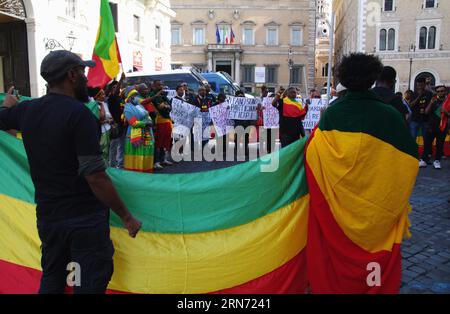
(158, 166)
(422, 164)
(437, 164)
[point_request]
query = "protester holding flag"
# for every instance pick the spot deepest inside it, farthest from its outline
(73, 193)
(139, 144)
(292, 113)
(361, 167)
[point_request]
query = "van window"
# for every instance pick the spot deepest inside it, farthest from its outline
(170, 80)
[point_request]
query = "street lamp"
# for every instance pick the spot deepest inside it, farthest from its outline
(71, 38)
(330, 55)
(412, 50)
(291, 65)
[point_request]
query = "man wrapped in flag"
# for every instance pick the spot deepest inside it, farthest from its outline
(292, 113)
(361, 167)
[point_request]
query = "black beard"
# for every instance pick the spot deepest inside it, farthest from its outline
(81, 92)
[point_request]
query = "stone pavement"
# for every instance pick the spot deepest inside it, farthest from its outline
(426, 256)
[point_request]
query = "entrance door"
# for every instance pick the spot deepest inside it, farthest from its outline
(14, 56)
(224, 66)
(431, 80)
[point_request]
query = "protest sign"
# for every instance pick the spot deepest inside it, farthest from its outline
(313, 116)
(183, 115)
(243, 108)
(219, 116)
(270, 114)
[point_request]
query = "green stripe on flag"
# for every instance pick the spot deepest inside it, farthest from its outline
(107, 32)
(183, 203)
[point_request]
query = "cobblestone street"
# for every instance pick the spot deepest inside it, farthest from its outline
(426, 256)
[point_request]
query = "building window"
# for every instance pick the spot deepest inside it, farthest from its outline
(325, 70)
(271, 74)
(391, 39)
(383, 38)
(176, 36)
(296, 75)
(113, 7)
(136, 27)
(387, 40)
(199, 36)
(272, 36)
(430, 4)
(249, 38)
(71, 8)
(296, 37)
(248, 74)
(427, 37)
(158, 36)
(423, 38)
(388, 5)
(248, 89)
(432, 38)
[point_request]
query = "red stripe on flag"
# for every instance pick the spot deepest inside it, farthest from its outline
(97, 76)
(288, 279)
(16, 279)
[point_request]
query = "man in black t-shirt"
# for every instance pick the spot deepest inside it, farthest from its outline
(73, 193)
(419, 117)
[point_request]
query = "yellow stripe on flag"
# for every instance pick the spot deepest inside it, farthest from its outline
(175, 263)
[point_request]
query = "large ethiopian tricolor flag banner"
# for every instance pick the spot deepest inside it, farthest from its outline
(235, 230)
(106, 51)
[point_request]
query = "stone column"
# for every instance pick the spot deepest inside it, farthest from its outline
(237, 68)
(210, 61)
(36, 53)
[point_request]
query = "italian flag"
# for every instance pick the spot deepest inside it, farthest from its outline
(106, 51)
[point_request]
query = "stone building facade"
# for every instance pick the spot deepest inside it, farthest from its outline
(269, 42)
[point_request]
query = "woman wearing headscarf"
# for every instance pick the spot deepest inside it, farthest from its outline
(139, 142)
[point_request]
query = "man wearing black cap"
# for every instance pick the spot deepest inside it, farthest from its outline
(72, 191)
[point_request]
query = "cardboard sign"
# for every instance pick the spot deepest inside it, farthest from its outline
(219, 115)
(243, 108)
(183, 115)
(270, 114)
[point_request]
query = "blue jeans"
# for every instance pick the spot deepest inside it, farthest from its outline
(414, 128)
(116, 151)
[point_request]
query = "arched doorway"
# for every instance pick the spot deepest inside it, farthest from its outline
(14, 69)
(431, 79)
